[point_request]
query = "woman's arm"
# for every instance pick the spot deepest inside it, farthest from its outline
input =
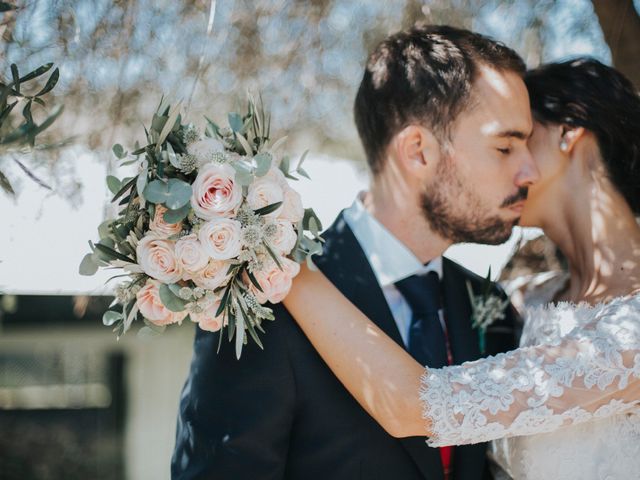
(379, 373)
(594, 372)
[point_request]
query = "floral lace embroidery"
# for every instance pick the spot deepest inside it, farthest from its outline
(538, 389)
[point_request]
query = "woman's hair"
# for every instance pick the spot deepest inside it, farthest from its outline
(585, 93)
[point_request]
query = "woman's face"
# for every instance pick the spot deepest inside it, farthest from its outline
(545, 194)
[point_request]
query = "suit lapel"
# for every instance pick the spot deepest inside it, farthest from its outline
(345, 264)
(463, 338)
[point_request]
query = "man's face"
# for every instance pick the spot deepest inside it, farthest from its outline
(481, 180)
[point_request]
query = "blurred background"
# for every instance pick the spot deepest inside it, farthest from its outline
(76, 404)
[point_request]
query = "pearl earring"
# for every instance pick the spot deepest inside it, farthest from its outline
(563, 145)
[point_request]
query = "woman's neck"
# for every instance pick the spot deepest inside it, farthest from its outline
(600, 237)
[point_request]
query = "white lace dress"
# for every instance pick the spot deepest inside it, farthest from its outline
(566, 405)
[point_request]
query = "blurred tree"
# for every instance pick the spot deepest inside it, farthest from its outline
(117, 57)
(620, 24)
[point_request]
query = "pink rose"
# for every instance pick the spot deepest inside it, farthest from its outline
(285, 238)
(191, 255)
(275, 283)
(152, 308)
(157, 259)
(292, 209)
(265, 192)
(160, 227)
(221, 238)
(207, 319)
(215, 192)
(213, 275)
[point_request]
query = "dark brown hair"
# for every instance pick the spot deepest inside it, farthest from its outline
(422, 75)
(585, 93)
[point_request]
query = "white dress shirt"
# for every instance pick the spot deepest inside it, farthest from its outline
(390, 260)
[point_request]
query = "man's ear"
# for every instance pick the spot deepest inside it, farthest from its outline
(416, 148)
(570, 137)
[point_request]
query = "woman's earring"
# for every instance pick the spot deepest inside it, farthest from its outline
(563, 145)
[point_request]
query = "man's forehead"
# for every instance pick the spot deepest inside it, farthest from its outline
(501, 104)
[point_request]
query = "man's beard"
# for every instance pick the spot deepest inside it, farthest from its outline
(456, 213)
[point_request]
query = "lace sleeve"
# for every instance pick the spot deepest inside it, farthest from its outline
(592, 372)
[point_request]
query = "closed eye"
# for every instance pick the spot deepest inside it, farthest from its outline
(504, 151)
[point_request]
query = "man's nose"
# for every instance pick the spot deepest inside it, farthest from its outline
(528, 173)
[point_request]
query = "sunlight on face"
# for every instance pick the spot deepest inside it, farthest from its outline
(478, 193)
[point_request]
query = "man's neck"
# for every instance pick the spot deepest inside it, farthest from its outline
(404, 219)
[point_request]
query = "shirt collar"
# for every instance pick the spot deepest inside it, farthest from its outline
(390, 259)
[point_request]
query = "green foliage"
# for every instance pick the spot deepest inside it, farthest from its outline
(17, 131)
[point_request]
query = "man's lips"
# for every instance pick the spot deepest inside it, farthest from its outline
(516, 207)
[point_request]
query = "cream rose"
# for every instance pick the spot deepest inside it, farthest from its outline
(292, 209)
(265, 192)
(191, 255)
(213, 275)
(152, 308)
(205, 149)
(275, 174)
(285, 238)
(275, 283)
(207, 319)
(160, 227)
(156, 257)
(215, 192)
(221, 238)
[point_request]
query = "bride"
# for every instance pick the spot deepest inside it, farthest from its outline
(566, 404)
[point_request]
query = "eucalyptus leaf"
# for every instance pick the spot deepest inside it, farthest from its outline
(175, 216)
(5, 184)
(104, 230)
(245, 145)
(179, 194)
(239, 334)
(114, 184)
(141, 183)
(235, 122)
(263, 162)
(118, 151)
(173, 158)
(170, 300)
(156, 191)
(112, 253)
(110, 317)
(87, 266)
(147, 333)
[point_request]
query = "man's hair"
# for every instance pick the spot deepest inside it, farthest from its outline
(585, 93)
(423, 75)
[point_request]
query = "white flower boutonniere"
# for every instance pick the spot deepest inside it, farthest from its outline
(486, 309)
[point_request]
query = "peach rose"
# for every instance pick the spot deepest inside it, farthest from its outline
(160, 227)
(292, 209)
(191, 255)
(215, 192)
(156, 257)
(207, 319)
(285, 238)
(152, 308)
(213, 275)
(265, 192)
(275, 175)
(221, 238)
(275, 283)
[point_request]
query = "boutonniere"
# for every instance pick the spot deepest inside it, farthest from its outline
(486, 308)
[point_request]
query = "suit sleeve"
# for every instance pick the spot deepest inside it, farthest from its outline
(235, 416)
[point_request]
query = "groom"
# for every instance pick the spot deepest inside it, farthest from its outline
(443, 116)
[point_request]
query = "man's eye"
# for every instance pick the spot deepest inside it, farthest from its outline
(504, 151)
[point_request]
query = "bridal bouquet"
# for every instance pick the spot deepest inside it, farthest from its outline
(208, 230)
